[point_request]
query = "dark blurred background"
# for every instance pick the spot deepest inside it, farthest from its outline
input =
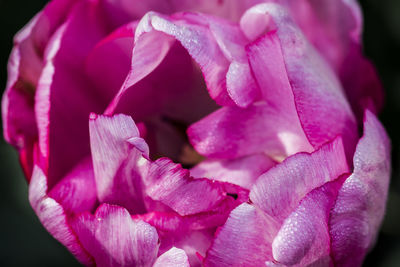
(24, 242)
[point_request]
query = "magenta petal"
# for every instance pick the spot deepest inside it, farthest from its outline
(174, 257)
(361, 202)
(108, 63)
(52, 216)
(232, 132)
(117, 153)
(321, 104)
(172, 185)
(63, 124)
(242, 171)
(279, 190)
(24, 69)
(76, 192)
(244, 240)
(113, 238)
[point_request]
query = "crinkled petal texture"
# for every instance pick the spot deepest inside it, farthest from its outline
(301, 222)
(261, 102)
(360, 205)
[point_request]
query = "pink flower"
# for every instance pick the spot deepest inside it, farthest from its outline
(261, 101)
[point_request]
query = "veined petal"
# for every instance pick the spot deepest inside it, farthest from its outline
(76, 192)
(119, 160)
(51, 214)
(242, 171)
(244, 240)
(174, 257)
(303, 238)
(232, 132)
(319, 99)
(113, 238)
(278, 191)
(361, 201)
(65, 97)
(172, 185)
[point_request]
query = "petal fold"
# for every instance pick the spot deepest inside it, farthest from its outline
(361, 201)
(113, 238)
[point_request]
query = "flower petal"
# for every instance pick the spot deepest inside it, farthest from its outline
(319, 99)
(117, 153)
(76, 192)
(360, 205)
(173, 257)
(63, 124)
(278, 191)
(113, 238)
(242, 171)
(24, 68)
(334, 28)
(172, 185)
(51, 214)
(232, 132)
(304, 235)
(244, 240)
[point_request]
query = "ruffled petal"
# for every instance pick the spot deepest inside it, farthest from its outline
(244, 240)
(361, 202)
(195, 38)
(242, 171)
(63, 124)
(319, 99)
(232, 132)
(279, 190)
(303, 238)
(172, 185)
(162, 70)
(117, 153)
(193, 234)
(51, 214)
(76, 192)
(174, 257)
(113, 238)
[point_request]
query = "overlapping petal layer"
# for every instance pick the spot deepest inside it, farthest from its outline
(259, 100)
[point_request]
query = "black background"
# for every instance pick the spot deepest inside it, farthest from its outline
(24, 242)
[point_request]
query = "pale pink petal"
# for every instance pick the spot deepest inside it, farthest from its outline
(63, 124)
(76, 192)
(174, 257)
(244, 240)
(304, 238)
(51, 214)
(240, 83)
(172, 185)
(361, 202)
(279, 190)
(319, 99)
(232, 132)
(242, 171)
(117, 153)
(113, 238)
